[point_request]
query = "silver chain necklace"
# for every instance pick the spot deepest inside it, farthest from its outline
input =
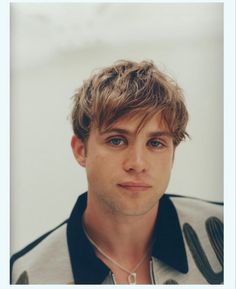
(132, 274)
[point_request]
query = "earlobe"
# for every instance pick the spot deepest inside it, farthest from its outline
(78, 148)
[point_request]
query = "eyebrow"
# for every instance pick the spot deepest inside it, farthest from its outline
(127, 132)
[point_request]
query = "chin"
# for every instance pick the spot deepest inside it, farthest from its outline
(138, 210)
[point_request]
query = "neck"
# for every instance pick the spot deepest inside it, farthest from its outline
(122, 237)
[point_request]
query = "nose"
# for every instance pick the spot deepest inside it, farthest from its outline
(136, 160)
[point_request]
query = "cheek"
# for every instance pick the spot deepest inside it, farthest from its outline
(161, 168)
(169, 159)
(97, 165)
(92, 163)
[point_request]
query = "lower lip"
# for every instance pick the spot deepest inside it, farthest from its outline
(134, 188)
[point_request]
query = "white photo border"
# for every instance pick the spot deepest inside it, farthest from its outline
(229, 145)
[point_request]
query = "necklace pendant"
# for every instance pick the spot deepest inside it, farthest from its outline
(132, 278)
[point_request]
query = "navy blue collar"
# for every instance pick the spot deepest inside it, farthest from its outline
(168, 247)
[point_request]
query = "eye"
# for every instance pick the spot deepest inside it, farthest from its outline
(116, 141)
(156, 144)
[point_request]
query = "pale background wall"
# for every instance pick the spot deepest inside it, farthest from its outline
(55, 46)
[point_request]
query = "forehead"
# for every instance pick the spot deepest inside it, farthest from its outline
(139, 122)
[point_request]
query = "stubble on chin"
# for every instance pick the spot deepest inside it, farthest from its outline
(128, 208)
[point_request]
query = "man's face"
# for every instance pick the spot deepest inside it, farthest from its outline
(127, 171)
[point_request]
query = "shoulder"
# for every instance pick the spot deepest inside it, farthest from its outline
(41, 260)
(193, 209)
(201, 223)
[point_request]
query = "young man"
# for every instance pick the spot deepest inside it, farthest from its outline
(128, 120)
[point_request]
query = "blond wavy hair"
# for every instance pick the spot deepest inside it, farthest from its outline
(128, 88)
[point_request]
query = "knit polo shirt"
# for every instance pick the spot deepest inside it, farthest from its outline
(188, 248)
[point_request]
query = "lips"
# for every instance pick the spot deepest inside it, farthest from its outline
(134, 186)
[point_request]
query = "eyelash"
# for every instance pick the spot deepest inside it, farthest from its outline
(160, 145)
(116, 138)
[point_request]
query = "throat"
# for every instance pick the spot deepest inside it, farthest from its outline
(124, 273)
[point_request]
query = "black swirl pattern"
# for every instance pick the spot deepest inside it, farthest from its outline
(215, 232)
(170, 281)
(214, 229)
(23, 279)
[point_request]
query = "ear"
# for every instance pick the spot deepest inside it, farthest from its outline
(78, 148)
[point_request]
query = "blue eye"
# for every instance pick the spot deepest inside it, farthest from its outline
(116, 141)
(155, 144)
